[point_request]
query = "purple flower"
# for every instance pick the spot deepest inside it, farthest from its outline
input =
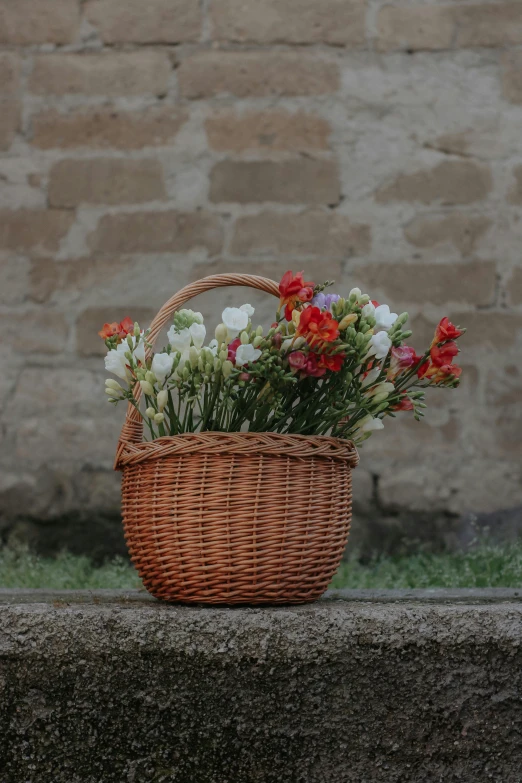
(325, 301)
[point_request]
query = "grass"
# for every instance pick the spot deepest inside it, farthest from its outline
(487, 565)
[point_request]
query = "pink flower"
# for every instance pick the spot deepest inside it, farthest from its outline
(297, 360)
(402, 357)
(232, 348)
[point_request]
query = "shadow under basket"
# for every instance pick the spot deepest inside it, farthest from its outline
(234, 518)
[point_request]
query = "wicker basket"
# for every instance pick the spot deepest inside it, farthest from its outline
(233, 518)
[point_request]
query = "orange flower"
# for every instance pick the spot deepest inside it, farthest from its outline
(294, 289)
(443, 355)
(440, 374)
(109, 330)
(446, 331)
(315, 324)
(126, 327)
(333, 363)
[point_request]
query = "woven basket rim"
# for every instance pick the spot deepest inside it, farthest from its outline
(217, 442)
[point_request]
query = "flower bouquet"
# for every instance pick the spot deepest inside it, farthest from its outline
(240, 490)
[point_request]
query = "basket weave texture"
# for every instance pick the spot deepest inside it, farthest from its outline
(218, 517)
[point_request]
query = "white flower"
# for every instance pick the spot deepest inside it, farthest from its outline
(368, 311)
(248, 309)
(369, 424)
(371, 377)
(235, 320)
(355, 292)
(383, 318)
(386, 387)
(138, 351)
(213, 347)
(116, 362)
(246, 354)
(380, 344)
(198, 317)
(162, 365)
(198, 333)
(162, 399)
(180, 341)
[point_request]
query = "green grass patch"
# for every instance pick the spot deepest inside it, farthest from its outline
(486, 565)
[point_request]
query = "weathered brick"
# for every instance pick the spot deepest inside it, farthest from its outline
(42, 331)
(9, 73)
(415, 27)
(489, 329)
(514, 286)
(158, 232)
(292, 21)
(107, 128)
(110, 74)
(269, 130)
(460, 229)
(515, 196)
(245, 74)
(165, 21)
(10, 112)
(105, 181)
(301, 181)
(89, 323)
(448, 26)
(311, 233)
(450, 182)
(38, 21)
(14, 273)
(402, 284)
(34, 229)
(512, 76)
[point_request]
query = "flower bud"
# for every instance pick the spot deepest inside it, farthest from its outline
(227, 368)
(110, 392)
(201, 363)
(150, 413)
(162, 399)
(159, 418)
(150, 377)
(221, 334)
(193, 356)
(347, 320)
(137, 330)
(217, 364)
(147, 388)
(130, 342)
(245, 339)
(380, 397)
(140, 374)
(208, 368)
(363, 300)
(112, 384)
(291, 327)
(258, 341)
(259, 331)
(186, 373)
(223, 355)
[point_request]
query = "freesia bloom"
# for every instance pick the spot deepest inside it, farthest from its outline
(370, 424)
(402, 357)
(179, 341)
(446, 331)
(333, 363)
(232, 348)
(109, 330)
(297, 360)
(197, 333)
(138, 350)
(404, 404)
(380, 344)
(213, 346)
(246, 353)
(248, 309)
(312, 367)
(294, 289)
(383, 318)
(444, 354)
(370, 377)
(235, 320)
(126, 327)
(315, 324)
(440, 374)
(162, 365)
(324, 301)
(368, 310)
(116, 363)
(306, 364)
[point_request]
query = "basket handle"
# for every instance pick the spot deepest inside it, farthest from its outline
(132, 430)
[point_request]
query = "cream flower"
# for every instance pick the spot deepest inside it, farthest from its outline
(162, 365)
(137, 350)
(383, 318)
(116, 362)
(380, 344)
(180, 341)
(235, 320)
(369, 424)
(368, 311)
(248, 309)
(246, 353)
(213, 347)
(198, 333)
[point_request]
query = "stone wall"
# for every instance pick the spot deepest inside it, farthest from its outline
(144, 145)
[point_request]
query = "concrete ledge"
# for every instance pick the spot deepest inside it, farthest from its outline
(108, 687)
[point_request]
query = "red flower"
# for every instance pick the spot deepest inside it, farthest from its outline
(404, 404)
(109, 330)
(446, 331)
(312, 367)
(126, 327)
(444, 354)
(440, 374)
(305, 364)
(402, 357)
(316, 324)
(423, 369)
(294, 289)
(232, 348)
(333, 363)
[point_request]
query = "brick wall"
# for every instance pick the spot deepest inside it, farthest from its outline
(144, 145)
